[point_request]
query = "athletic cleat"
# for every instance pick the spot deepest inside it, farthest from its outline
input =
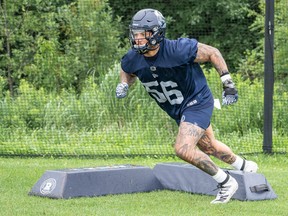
(227, 190)
(249, 166)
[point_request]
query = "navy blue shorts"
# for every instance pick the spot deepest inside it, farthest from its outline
(196, 116)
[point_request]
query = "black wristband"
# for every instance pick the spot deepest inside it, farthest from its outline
(224, 73)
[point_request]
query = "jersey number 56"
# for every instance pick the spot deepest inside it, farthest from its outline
(166, 94)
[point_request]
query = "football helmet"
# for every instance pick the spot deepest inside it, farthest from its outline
(151, 21)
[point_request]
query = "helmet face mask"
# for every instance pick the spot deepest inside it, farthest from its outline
(137, 36)
(152, 25)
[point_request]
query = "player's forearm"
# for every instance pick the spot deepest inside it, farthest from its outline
(127, 78)
(218, 62)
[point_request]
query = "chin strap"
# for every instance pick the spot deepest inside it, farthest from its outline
(149, 48)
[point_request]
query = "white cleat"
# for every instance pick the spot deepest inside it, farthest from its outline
(227, 190)
(249, 166)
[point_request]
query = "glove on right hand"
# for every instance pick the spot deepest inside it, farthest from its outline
(121, 90)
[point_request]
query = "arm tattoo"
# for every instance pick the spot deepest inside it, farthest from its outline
(202, 53)
(219, 63)
(211, 54)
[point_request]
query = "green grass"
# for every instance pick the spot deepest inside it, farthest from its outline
(17, 177)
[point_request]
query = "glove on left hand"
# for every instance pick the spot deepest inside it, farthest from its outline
(230, 93)
(229, 96)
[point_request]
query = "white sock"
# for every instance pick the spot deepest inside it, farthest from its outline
(238, 163)
(220, 176)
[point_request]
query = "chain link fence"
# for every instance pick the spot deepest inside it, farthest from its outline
(91, 122)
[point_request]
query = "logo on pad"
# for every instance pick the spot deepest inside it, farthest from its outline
(48, 186)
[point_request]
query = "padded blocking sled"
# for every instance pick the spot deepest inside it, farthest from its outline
(185, 177)
(97, 181)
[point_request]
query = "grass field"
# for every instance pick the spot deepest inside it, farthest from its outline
(18, 175)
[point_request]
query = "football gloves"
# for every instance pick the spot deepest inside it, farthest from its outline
(121, 90)
(230, 93)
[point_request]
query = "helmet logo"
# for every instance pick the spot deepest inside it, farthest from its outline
(153, 42)
(155, 28)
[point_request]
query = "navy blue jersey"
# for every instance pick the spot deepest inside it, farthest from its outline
(171, 77)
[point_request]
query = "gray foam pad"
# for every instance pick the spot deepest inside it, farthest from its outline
(69, 183)
(185, 177)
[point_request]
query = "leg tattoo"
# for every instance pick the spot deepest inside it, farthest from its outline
(216, 148)
(186, 148)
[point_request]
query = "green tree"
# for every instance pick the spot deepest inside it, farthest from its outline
(22, 24)
(281, 32)
(56, 44)
(252, 66)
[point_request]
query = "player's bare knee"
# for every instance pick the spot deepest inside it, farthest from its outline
(184, 151)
